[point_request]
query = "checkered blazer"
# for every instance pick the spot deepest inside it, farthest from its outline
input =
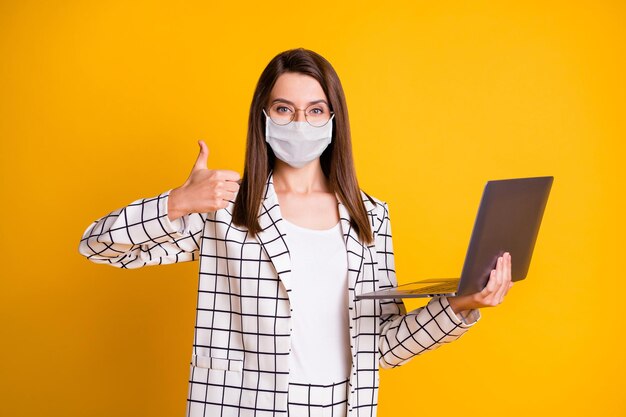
(240, 357)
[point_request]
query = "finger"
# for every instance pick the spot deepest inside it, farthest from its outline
(507, 290)
(203, 156)
(499, 266)
(507, 268)
(231, 186)
(228, 175)
(506, 271)
(486, 294)
(228, 195)
(489, 288)
(502, 279)
(222, 193)
(500, 292)
(509, 274)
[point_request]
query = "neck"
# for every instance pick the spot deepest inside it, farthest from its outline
(310, 178)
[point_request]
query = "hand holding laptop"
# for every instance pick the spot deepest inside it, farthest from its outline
(507, 223)
(494, 292)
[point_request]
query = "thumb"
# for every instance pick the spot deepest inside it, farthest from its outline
(203, 156)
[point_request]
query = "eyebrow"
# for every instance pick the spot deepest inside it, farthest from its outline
(292, 103)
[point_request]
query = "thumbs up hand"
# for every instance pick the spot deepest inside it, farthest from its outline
(205, 189)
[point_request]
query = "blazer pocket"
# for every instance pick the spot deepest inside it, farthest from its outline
(210, 362)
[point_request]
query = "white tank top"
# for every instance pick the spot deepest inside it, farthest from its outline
(320, 336)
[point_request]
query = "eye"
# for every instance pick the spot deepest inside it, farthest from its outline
(283, 109)
(317, 110)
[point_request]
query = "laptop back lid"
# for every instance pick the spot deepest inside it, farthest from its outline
(508, 220)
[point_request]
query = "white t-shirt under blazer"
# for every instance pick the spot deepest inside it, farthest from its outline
(320, 335)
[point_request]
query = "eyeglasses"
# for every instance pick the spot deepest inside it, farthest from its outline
(317, 114)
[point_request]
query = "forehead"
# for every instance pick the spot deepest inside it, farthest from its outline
(298, 88)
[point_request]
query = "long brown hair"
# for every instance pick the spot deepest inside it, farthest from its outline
(336, 160)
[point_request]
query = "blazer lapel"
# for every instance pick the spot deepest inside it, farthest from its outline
(354, 248)
(272, 234)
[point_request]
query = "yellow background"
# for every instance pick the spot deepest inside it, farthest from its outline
(102, 102)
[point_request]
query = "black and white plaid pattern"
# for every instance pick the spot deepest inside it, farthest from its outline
(311, 400)
(240, 356)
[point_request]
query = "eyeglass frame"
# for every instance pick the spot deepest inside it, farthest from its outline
(332, 114)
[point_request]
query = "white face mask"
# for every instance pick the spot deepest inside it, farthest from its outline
(297, 143)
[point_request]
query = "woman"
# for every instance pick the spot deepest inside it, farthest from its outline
(283, 252)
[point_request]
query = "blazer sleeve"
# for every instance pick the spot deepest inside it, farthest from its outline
(141, 234)
(405, 335)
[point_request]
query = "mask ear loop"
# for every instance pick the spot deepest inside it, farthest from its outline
(267, 119)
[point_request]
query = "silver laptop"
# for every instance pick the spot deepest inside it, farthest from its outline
(508, 220)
